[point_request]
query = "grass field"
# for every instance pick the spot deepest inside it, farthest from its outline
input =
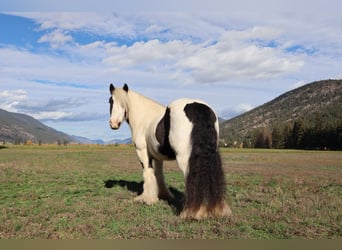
(52, 192)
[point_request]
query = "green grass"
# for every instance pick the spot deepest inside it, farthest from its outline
(52, 192)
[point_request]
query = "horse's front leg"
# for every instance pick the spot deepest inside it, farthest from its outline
(150, 192)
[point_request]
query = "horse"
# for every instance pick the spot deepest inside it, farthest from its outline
(186, 131)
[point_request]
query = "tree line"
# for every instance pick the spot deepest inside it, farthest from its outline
(19, 140)
(318, 133)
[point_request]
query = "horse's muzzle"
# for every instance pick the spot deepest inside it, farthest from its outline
(114, 126)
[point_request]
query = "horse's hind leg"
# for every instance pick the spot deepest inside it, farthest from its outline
(150, 192)
(190, 209)
(164, 192)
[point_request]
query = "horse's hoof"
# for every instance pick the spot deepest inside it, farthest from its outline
(221, 210)
(198, 214)
(145, 200)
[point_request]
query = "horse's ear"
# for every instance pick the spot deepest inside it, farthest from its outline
(111, 88)
(125, 87)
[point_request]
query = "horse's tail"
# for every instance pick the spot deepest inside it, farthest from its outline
(205, 181)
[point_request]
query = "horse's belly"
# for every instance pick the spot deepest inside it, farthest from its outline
(155, 152)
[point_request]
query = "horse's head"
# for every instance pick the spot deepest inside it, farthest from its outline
(118, 106)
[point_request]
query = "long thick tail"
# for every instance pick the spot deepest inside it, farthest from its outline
(205, 182)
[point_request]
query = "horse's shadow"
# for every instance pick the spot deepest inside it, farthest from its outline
(176, 203)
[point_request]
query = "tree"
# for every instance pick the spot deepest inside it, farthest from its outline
(17, 140)
(263, 138)
(298, 133)
(287, 135)
(277, 136)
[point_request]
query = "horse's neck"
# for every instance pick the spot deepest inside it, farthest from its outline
(142, 111)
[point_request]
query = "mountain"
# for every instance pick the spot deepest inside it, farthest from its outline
(20, 128)
(120, 141)
(84, 140)
(318, 101)
(221, 120)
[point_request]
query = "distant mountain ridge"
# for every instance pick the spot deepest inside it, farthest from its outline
(85, 140)
(120, 141)
(321, 97)
(21, 128)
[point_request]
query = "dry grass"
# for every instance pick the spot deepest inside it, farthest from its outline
(87, 192)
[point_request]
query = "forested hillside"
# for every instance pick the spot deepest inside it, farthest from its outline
(308, 117)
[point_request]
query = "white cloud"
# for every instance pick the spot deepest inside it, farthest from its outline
(243, 107)
(56, 38)
(235, 56)
(18, 94)
(91, 22)
(11, 98)
(68, 116)
(250, 53)
(233, 111)
(146, 54)
(23, 64)
(51, 115)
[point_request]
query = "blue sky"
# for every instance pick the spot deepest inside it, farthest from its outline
(57, 60)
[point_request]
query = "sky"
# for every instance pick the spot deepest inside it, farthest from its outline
(58, 58)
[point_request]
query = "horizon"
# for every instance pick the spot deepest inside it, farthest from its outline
(56, 65)
(85, 140)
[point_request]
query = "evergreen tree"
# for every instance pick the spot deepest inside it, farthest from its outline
(277, 136)
(298, 133)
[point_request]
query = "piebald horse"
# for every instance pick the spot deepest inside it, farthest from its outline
(185, 131)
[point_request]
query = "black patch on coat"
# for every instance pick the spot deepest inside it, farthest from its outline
(126, 117)
(111, 103)
(162, 135)
(205, 183)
